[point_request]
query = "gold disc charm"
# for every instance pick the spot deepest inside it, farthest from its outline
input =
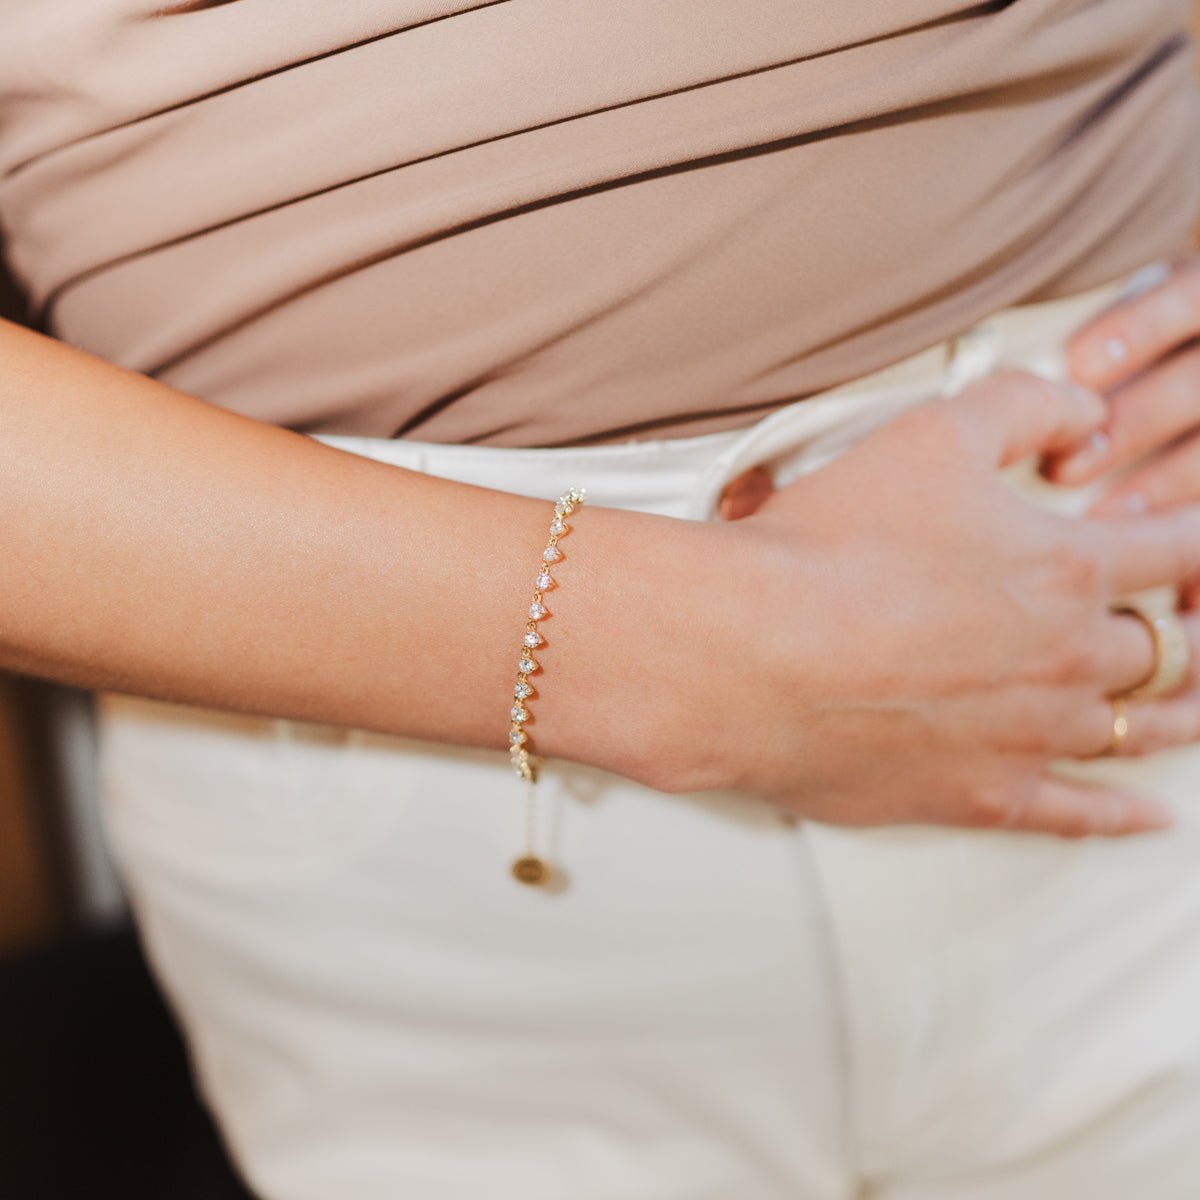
(530, 869)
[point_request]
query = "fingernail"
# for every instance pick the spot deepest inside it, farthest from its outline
(745, 493)
(1099, 358)
(1156, 815)
(1082, 462)
(1115, 350)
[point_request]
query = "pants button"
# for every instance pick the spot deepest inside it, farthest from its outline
(744, 493)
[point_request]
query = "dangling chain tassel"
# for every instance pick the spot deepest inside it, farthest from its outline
(530, 867)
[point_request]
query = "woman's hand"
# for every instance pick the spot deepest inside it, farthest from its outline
(899, 636)
(1144, 355)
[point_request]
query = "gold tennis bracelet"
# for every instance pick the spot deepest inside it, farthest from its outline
(530, 867)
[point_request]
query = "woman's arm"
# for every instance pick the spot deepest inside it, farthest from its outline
(895, 637)
(156, 544)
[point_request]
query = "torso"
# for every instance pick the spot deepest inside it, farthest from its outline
(537, 223)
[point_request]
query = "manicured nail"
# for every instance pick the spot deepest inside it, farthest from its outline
(1099, 358)
(1082, 462)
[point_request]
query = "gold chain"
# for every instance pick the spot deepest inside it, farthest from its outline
(530, 867)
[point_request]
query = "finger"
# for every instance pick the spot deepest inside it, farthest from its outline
(1161, 723)
(1127, 652)
(745, 493)
(1013, 413)
(1127, 338)
(1073, 810)
(1148, 550)
(1144, 415)
(1171, 477)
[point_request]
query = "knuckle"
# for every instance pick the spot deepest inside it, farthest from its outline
(941, 430)
(1016, 379)
(1075, 570)
(1018, 390)
(939, 420)
(1074, 659)
(1065, 399)
(995, 807)
(1048, 738)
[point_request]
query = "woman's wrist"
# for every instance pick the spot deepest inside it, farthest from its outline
(636, 649)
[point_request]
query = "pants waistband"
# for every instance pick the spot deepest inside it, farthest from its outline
(684, 477)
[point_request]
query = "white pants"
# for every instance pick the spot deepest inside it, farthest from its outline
(723, 1005)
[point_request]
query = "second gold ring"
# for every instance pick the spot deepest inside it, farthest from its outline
(1120, 726)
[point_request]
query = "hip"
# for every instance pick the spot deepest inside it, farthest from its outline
(364, 986)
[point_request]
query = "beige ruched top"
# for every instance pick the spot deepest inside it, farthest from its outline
(544, 222)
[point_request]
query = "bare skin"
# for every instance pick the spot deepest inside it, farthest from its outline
(1145, 358)
(952, 637)
(894, 638)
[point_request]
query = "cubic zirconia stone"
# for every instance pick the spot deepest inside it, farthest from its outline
(526, 665)
(518, 713)
(533, 638)
(558, 526)
(522, 690)
(560, 507)
(552, 554)
(543, 581)
(536, 610)
(516, 736)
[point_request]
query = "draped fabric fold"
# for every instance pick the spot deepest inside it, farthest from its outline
(538, 222)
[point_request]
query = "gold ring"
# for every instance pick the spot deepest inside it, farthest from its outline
(1120, 726)
(1172, 653)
